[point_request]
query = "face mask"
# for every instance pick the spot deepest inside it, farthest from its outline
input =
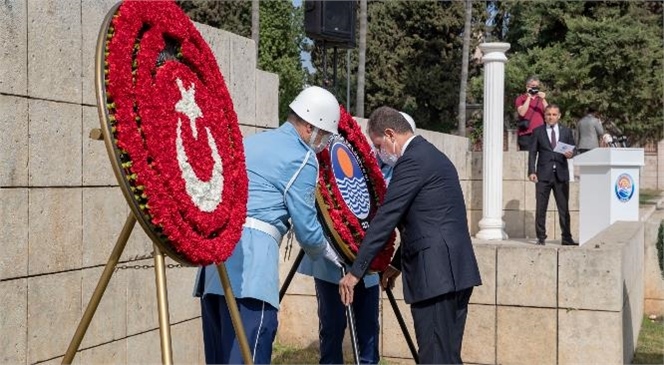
(323, 142)
(388, 158)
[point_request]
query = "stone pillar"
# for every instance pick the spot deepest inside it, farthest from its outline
(492, 225)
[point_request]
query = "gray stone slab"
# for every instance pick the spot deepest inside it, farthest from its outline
(14, 237)
(54, 50)
(526, 276)
(589, 337)
(479, 339)
(298, 321)
(14, 46)
(182, 304)
(55, 230)
(110, 353)
(242, 85)
(515, 166)
(267, 99)
(247, 130)
(515, 223)
(590, 278)
(139, 245)
(526, 335)
(110, 320)
(513, 195)
(13, 140)
(142, 314)
(14, 304)
(93, 13)
(189, 345)
(97, 168)
(54, 310)
(55, 144)
(392, 338)
(486, 260)
(144, 348)
(105, 213)
(219, 42)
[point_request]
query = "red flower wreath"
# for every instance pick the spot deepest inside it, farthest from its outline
(173, 121)
(346, 224)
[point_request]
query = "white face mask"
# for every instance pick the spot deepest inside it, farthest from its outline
(323, 142)
(389, 158)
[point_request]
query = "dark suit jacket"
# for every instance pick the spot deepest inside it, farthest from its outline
(540, 150)
(425, 198)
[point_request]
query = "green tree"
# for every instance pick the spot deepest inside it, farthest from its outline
(282, 40)
(607, 54)
(281, 35)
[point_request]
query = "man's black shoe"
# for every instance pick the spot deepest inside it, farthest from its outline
(540, 241)
(569, 242)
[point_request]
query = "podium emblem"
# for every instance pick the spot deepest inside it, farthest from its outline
(624, 187)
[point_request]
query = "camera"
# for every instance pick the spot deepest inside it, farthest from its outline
(533, 90)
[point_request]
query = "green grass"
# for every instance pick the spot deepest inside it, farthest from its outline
(282, 354)
(650, 347)
(649, 196)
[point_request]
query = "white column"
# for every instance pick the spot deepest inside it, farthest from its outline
(492, 225)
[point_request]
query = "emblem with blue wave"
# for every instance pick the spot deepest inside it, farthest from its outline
(350, 179)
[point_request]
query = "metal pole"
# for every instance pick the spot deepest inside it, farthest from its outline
(402, 324)
(290, 275)
(334, 70)
(348, 80)
(100, 289)
(325, 83)
(235, 314)
(351, 325)
(162, 305)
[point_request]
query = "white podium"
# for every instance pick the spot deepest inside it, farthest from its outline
(608, 188)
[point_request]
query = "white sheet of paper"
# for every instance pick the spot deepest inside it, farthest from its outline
(562, 147)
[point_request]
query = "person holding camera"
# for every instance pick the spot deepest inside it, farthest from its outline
(530, 107)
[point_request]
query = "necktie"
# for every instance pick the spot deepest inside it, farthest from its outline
(553, 138)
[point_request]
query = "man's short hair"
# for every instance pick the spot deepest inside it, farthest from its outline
(554, 106)
(386, 117)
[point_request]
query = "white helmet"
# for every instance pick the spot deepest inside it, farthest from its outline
(410, 120)
(318, 107)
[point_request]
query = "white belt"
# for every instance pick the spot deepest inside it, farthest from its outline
(264, 227)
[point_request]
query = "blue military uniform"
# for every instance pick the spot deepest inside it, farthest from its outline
(282, 173)
(332, 314)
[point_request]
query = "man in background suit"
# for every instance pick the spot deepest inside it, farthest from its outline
(436, 255)
(551, 173)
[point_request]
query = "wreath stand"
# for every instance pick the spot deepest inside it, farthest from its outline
(159, 247)
(390, 297)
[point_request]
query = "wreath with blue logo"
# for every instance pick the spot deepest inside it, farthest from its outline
(351, 187)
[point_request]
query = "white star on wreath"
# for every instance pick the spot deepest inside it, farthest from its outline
(206, 195)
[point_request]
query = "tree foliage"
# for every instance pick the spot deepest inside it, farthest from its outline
(606, 54)
(281, 37)
(413, 60)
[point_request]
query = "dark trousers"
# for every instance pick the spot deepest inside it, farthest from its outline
(221, 346)
(439, 325)
(524, 142)
(332, 322)
(561, 194)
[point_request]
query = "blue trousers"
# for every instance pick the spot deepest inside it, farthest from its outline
(332, 322)
(221, 346)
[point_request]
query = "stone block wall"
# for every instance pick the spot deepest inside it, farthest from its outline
(518, 199)
(61, 209)
(654, 279)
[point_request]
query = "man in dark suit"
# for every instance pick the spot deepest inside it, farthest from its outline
(551, 173)
(436, 256)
